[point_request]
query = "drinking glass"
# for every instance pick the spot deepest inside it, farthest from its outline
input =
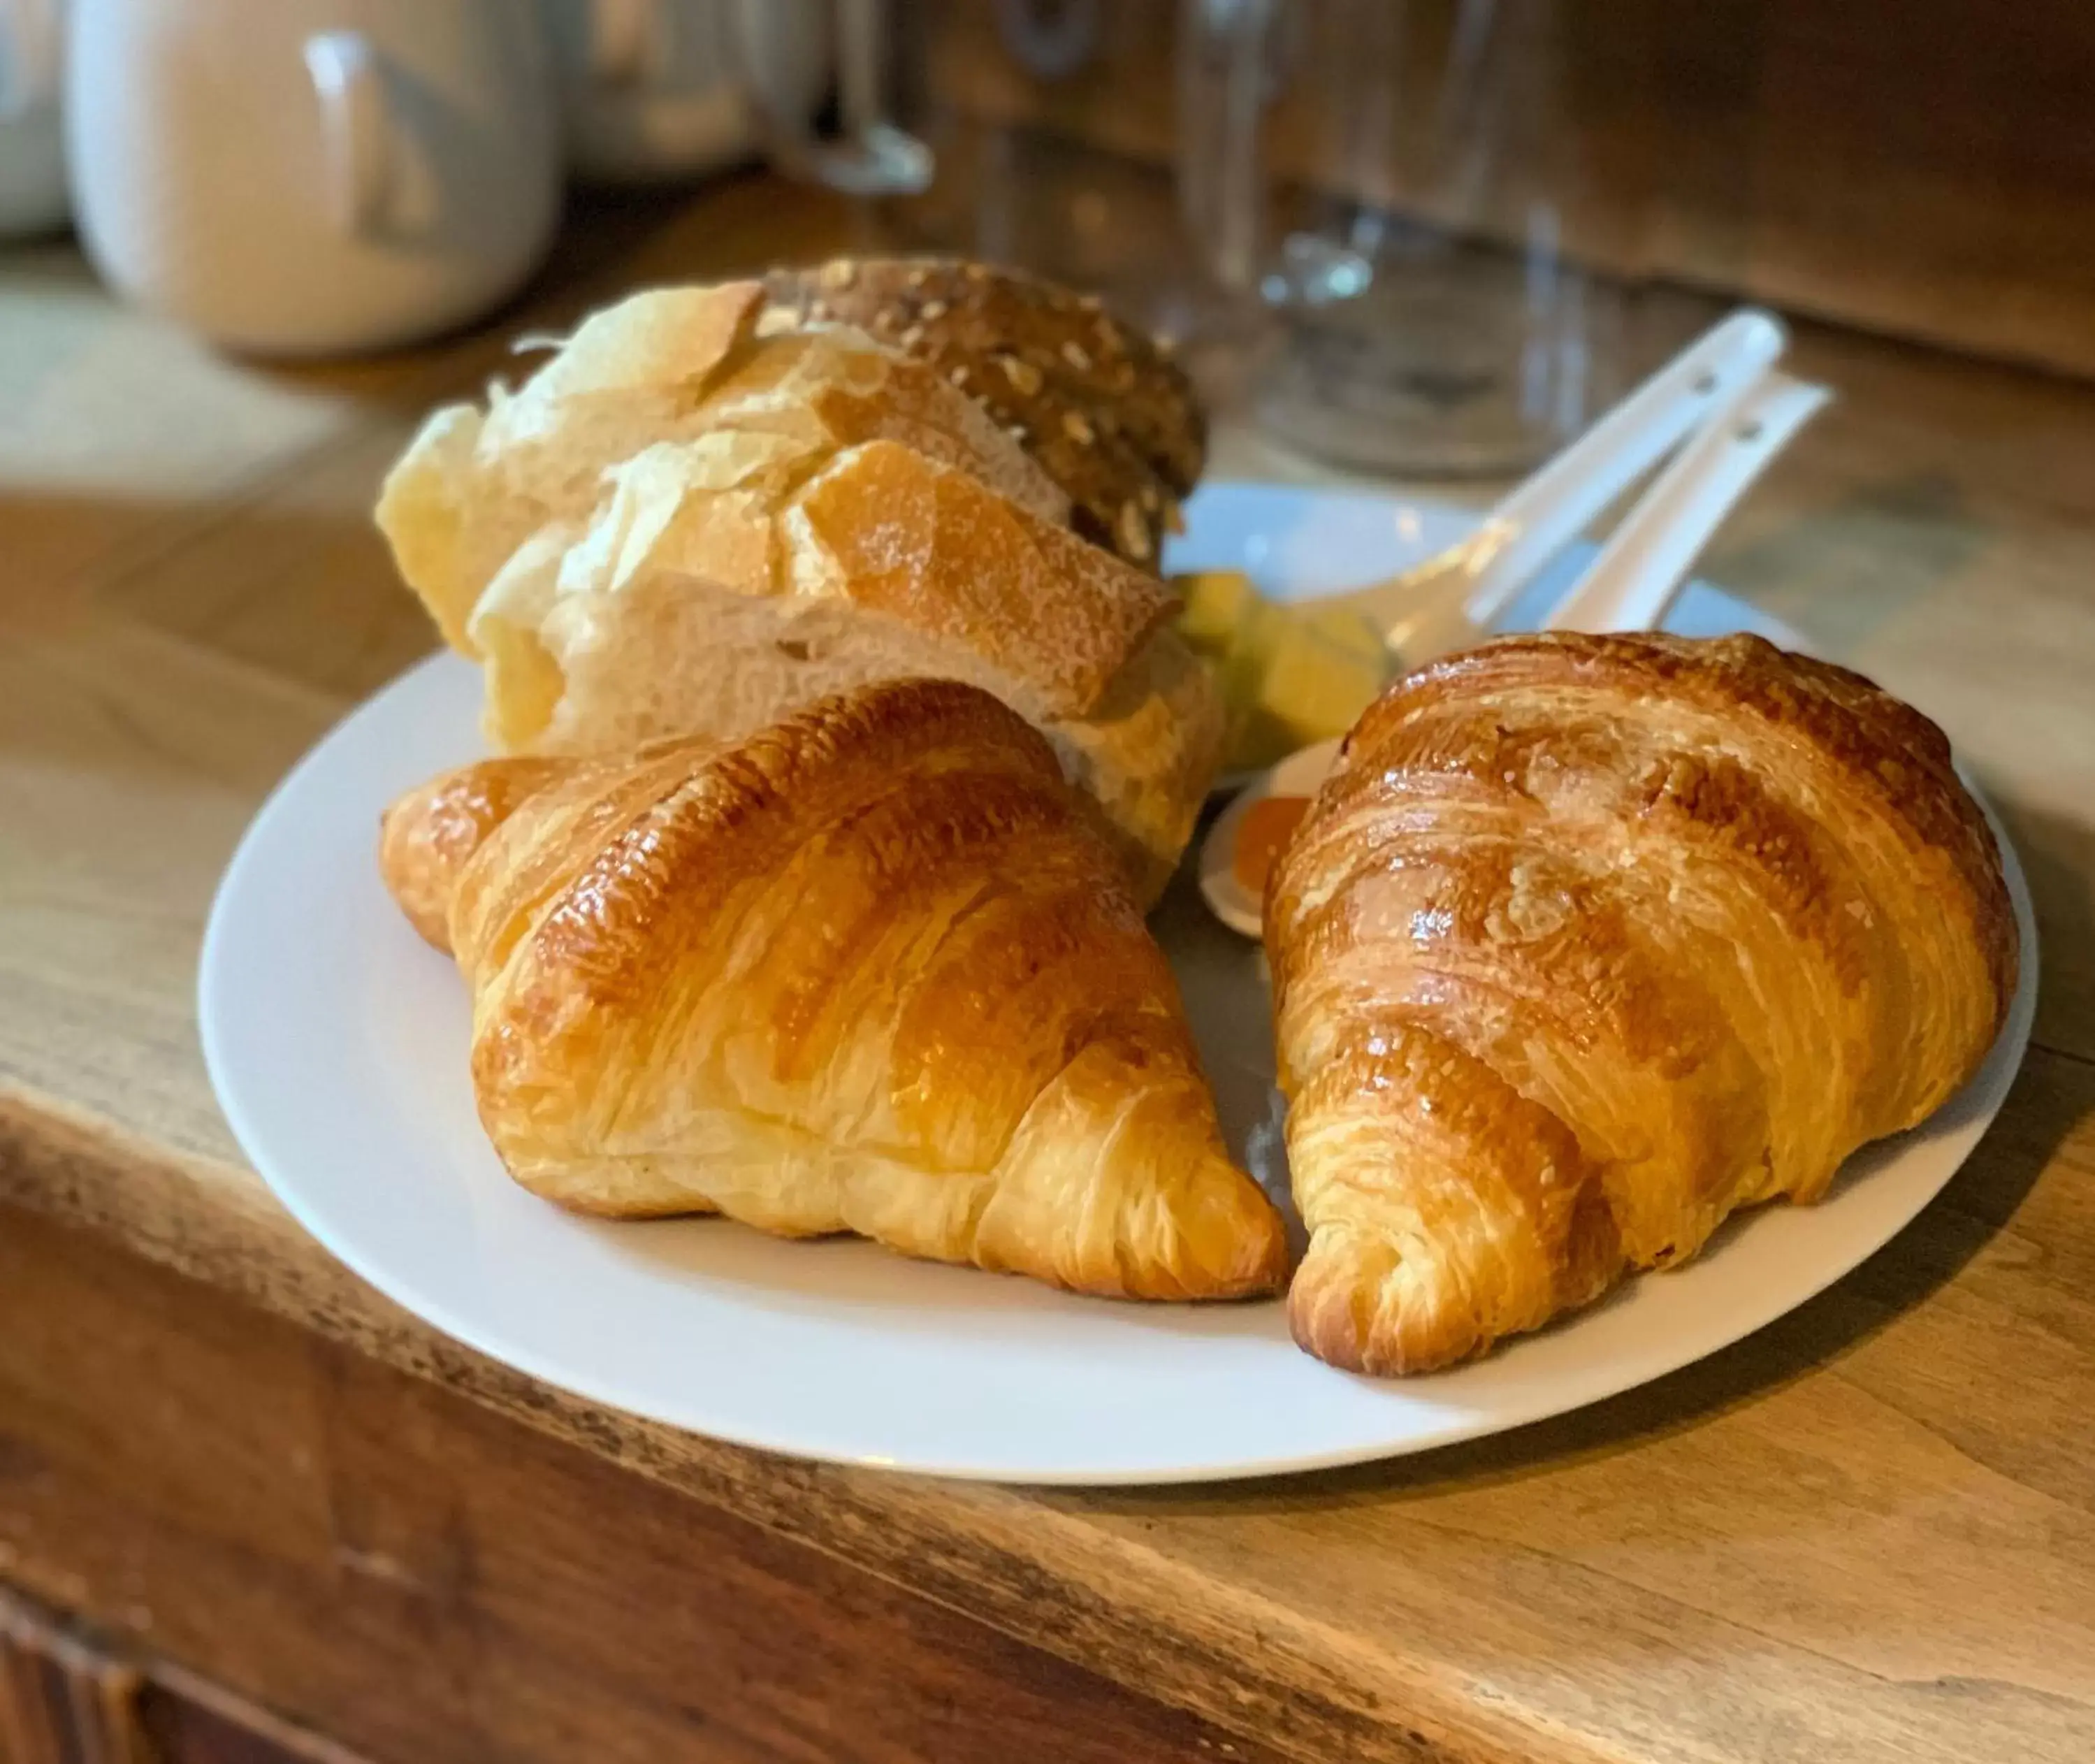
(1410, 195)
(1032, 132)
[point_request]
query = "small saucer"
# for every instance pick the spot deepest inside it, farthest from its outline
(1298, 774)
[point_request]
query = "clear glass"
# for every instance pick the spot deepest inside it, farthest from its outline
(1381, 225)
(1041, 134)
(1404, 191)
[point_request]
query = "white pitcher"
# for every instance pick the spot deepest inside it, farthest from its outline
(296, 176)
(32, 177)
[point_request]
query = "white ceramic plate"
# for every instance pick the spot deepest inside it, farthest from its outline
(337, 1042)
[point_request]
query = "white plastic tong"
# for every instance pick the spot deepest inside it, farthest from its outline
(1721, 395)
(1720, 403)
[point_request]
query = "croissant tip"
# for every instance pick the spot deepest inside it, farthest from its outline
(1256, 1261)
(1225, 1241)
(1337, 1343)
(1274, 1262)
(1340, 1312)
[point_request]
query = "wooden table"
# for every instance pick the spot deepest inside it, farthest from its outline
(273, 1504)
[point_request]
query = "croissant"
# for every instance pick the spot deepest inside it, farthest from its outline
(874, 970)
(1589, 941)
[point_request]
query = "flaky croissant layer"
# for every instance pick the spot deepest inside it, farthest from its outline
(876, 969)
(1589, 941)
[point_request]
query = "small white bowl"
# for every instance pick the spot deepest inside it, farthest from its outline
(1298, 774)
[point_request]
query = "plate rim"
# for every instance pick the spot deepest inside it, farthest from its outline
(2002, 1063)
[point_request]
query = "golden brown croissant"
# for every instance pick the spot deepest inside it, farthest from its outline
(874, 970)
(1588, 941)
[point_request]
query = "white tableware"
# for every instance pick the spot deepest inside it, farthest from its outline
(337, 1041)
(1454, 598)
(33, 172)
(1462, 329)
(654, 89)
(1630, 584)
(311, 175)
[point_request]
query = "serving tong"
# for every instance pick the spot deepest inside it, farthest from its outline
(1721, 411)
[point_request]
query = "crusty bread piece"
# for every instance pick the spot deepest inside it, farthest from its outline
(707, 551)
(1096, 400)
(681, 652)
(935, 549)
(706, 597)
(670, 363)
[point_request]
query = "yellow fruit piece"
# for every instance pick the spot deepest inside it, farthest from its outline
(1216, 601)
(1290, 675)
(1347, 632)
(1320, 670)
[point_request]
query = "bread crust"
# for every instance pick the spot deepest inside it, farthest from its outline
(941, 553)
(670, 450)
(665, 365)
(1096, 400)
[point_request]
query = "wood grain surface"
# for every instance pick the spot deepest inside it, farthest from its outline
(68, 1696)
(1865, 1534)
(424, 1580)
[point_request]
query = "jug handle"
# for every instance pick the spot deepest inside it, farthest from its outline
(34, 28)
(357, 127)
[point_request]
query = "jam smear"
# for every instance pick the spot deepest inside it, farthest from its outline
(1267, 825)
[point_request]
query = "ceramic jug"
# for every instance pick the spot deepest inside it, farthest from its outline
(313, 175)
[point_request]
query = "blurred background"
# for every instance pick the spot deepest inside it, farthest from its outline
(244, 248)
(1414, 235)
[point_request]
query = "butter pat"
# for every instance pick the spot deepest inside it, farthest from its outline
(1321, 669)
(1290, 675)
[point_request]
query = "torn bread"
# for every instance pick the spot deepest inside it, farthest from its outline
(671, 363)
(706, 531)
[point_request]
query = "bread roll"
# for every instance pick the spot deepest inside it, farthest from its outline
(1111, 417)
(670, 364)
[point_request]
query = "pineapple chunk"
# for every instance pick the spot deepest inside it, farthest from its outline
(1348, 632)
(1290, 675)
(1216, 601)
(1322, 670)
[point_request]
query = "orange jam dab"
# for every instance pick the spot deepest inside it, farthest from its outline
(1267, 826)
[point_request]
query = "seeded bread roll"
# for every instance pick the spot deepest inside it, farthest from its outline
(1108, 416)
